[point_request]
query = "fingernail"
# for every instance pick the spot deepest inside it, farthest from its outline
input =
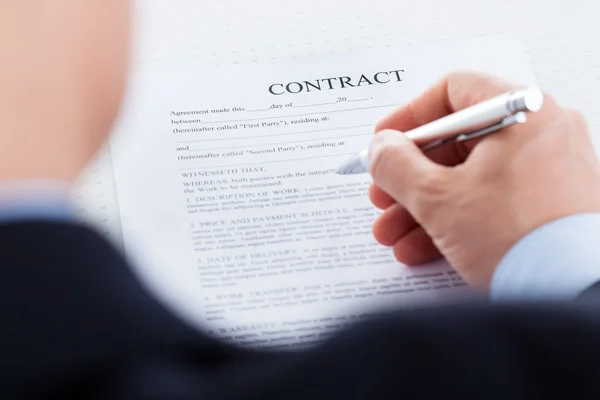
(382, 139)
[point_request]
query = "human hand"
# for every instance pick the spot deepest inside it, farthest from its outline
(472, 202)
(61, 81)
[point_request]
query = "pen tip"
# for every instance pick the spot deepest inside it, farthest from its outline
(351, 166)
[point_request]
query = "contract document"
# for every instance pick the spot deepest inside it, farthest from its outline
(230, 206)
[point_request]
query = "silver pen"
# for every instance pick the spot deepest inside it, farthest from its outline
(479, 120)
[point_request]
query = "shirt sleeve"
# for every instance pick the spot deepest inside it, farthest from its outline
(39, 200)
(557, 261)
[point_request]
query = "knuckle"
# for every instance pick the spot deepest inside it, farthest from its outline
(466, 88)
(577, 118)
(463, 77)
(560, 127)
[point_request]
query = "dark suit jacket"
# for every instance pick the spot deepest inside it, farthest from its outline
(76, 323)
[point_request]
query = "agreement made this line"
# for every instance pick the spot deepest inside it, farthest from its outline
(267, 162)
(277, 134)
(298, 115)
(275, 144)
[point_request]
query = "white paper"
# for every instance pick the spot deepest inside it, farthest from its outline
(94, 198)
(229, 204)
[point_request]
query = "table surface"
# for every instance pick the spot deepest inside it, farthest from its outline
(561, 38)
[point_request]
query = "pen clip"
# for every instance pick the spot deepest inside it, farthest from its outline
(517, 118)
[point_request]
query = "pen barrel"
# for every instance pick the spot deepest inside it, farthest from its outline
(479, 116)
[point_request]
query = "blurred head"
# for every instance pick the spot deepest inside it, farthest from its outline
(62, 71)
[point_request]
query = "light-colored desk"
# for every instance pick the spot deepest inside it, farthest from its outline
(562, 39)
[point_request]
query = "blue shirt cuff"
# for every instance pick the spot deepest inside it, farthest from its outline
(33, 200)
(557, 261)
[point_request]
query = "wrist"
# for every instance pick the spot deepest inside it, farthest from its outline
(558, 260)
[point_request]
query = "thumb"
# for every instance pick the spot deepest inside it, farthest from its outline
(401, 170)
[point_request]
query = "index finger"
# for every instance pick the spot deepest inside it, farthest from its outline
(454, 92)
